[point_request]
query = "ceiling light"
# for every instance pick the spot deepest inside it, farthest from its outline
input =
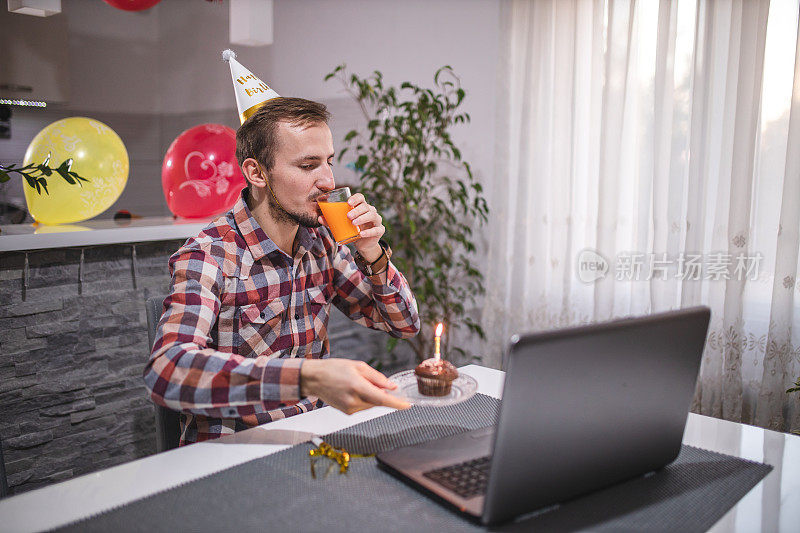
(27, 103)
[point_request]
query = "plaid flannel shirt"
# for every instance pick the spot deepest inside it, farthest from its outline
(242, 316)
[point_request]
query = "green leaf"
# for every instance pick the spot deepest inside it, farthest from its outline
(77, 177)
(438, 72)
(4, 177)
(391, 344)
(375, 363)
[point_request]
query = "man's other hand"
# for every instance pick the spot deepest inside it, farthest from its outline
(349, 386)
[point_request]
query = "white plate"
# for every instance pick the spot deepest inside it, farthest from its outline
(463, 388)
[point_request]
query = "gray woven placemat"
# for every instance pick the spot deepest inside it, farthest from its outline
(278, 493)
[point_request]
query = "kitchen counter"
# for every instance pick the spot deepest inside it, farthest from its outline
(24, 237)
(75, 342)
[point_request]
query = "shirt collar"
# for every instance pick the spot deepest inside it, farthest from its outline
(256, 238)
(311, 241)
(259, 243)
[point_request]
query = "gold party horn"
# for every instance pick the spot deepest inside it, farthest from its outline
(338, 455)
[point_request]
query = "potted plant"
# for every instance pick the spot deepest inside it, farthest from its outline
(36, 174)
(431, 204)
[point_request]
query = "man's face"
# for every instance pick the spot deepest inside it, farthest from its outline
(302, 171)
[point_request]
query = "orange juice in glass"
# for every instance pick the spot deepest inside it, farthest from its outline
(334, 207)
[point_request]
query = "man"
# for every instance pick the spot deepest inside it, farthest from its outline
(243, 340)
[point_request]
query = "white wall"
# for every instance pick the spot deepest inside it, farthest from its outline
(406, 40)
(113, 58)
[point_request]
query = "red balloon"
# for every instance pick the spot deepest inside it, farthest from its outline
(132, 5)
(200, 174)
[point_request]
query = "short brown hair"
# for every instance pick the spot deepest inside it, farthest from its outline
(257, 137)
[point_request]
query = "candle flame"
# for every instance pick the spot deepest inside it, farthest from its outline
(439, 329)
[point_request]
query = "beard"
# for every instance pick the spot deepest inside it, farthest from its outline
(282, 215)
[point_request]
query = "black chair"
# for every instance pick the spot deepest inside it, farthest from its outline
(168, 422)
(3, 479)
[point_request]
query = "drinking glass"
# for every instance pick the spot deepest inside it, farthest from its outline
(334, 207)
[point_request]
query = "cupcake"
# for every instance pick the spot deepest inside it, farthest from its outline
(435, 377)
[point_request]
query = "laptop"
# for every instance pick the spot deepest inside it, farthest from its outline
(583, 408)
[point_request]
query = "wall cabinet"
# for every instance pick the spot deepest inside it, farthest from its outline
(34, 57)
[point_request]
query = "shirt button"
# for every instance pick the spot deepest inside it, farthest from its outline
(297, 316)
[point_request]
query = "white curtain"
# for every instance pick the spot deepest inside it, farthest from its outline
(664, 137)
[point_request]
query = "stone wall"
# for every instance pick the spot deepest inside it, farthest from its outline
(71, 357)
(72, 400)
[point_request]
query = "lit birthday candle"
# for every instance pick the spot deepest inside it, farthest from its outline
(438, 337)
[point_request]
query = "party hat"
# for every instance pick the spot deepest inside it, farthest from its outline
(251, 92)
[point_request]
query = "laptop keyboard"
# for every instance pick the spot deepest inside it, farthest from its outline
(466, 479)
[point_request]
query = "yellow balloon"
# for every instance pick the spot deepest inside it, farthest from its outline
(98, 155)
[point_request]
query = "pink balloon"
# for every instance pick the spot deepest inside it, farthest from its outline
(200, 175)
(132, 5)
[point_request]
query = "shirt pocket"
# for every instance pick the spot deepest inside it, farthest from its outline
(316, 296)
(318, 308)
(259, 327)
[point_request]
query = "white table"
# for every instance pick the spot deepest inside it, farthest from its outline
(772, 505)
